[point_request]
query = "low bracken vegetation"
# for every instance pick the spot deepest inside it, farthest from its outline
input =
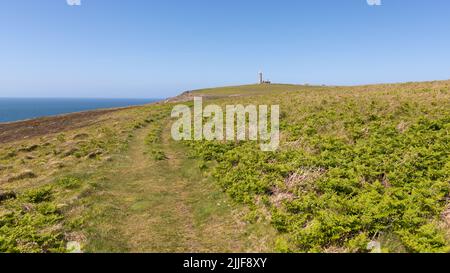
(358, 166)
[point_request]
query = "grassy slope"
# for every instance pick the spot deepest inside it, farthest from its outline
(40, 211)
(138, 192)
(253, 89)
(151, 204)
(356, 164)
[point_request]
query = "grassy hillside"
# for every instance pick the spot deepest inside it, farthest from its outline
(356, 165)
(44, 173)
(253, 89)
(114, 182)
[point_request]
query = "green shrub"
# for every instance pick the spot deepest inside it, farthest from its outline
(69, 182)
(33, 230)
(158, 155)
(39, 195)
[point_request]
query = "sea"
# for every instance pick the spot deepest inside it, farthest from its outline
(16, 109)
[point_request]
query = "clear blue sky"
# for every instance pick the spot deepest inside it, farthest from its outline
(149, 48)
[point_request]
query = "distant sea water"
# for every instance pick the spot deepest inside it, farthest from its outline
(15, 109)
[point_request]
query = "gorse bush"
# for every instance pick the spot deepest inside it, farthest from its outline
(353, 168)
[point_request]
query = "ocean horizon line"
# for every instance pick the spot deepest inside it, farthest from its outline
(85, 98)
(19, 109)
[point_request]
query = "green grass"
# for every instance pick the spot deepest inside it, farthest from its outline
(356, 164)
(26, 223)
(149, 205)
(254, 89)
(45, 214)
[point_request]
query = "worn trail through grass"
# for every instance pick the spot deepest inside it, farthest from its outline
(145, 205)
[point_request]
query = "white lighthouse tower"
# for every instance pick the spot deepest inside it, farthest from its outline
(261, 79)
